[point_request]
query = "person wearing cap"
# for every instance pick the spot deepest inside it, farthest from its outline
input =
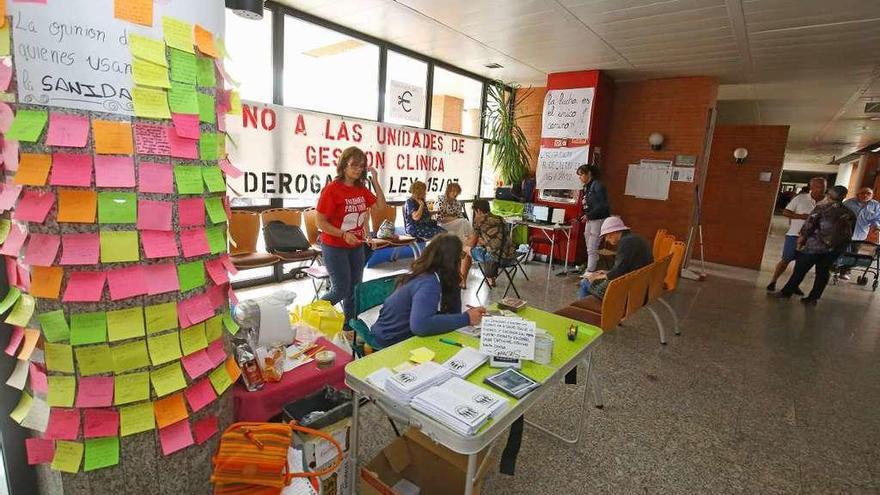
(633, 252)
(827, 231)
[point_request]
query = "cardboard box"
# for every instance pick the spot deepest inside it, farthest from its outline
(435, 469)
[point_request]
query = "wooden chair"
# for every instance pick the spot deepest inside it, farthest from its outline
(291, 217)
(606, 313)
(377, 216)
(244, 229)
(658, 240)
(656, 275)
(637, 293)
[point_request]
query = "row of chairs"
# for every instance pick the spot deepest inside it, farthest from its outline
(636, 290)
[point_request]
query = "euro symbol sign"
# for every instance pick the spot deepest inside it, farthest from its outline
(404, 101)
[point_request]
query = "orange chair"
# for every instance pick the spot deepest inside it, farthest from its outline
(291, 217)
(606, 313)
(656, 275)
(244, 228)
(658, 240)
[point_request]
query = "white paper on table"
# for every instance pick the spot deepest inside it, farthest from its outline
(378, 378)
(274, 324)
(298, 486)
(509, 337)
(18, 378)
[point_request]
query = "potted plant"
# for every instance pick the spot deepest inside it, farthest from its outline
(508, 146)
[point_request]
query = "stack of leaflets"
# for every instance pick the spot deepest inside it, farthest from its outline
(462, 406)
(407, 384)
(465, 361)
(379, 377)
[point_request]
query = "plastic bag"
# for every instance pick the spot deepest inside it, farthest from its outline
(321, 315)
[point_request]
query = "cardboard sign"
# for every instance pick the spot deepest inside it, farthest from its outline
(557, 167)
(567, 113)
(508, 337)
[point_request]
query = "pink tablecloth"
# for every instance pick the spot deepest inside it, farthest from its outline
(298, 383)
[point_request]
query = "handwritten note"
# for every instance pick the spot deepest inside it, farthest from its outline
(152, 139)
(191, 275)
(150, 74)
(159, 244)
(211, 146)
(37, 417)
(175, 437)
(189, 179)
(183, 66)
(197, 364)
(67, 130)
(19, 412)
(63, 424)
(193, 339)
(216, 271)
(194, 242)
(178, 34)
(509, 337)
(39, 450)
(46, 281)
(96, 391)
(126, 282)
(61, 391)
(22, 311)
(69, 169)
(148, 49)
(161, 317)
(164, 348)
(170, 410)
(33, 169)
(80, 249)
(42, 249)
(136, 418)
(77, 206)
(191, 212)
(205, 76)
(18, 378)
(93, 360)
(131, 387)
(88, 328)
(182, 98)
(39, 382)
(125, 324)
(150, 103)
(68, 456)
(28, 125)
(200, 394)
(112, 137)
(100, 423)
(84, 287)
(114, 171)
(119, 246)
(138, 12)
(182, 147)
(214, 179)
(161, 278)
(156, 178)
(34, 206)
(130, 356)
(102, 452)
(167, 379)
(54, 326)
(59, 357)
(14, 242)
(154, 215)
(205, 428)
(205, 41)
(206, 108)
(220, 379)
(117, 207)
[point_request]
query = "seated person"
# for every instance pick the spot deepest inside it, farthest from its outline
(490, 244)
(427, 300)
(633, 252)
(451, 212)
(416, 217)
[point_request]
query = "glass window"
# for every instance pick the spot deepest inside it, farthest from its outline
(327, 71)
(455, 105)
(405, 91)
(249, 44)
(488, 179)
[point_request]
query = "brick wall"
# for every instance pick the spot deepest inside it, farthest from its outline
(737, 206)
(531, 103)
(446, 113)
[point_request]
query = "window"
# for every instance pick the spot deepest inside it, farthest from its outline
(455, 105)
(406, 79)
(249, 44)
(329, 71)
(488, 180)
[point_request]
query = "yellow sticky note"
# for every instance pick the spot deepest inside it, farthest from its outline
(164, 348)
(4, 40)
(421, 355)
(119, 246)
(59, 357)
(68, 456)
(131, 387)
(136, 418)
(150, 103)
(147, 48)
(221, 48)
(22, 311)
(205, 41)
(168, 379)
(62, 390)
(161, 317)
(125, 324)
(33, 169)
(178, 34)
(21, 410)
(193, 339)
(112, 137)
(94, 359)
(214, 328)
(150, 74)
(220, 379)
(130, 356)
(234, 103)
(136, 11)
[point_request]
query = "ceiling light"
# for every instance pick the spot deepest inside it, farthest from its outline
(249, 9)
(740, 155)
(656, 141)
(493, 65)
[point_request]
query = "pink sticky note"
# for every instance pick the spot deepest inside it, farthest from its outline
(14, 241)
(156, 178)
(14, 341)
(6, 116)
(70, 169)
(200, 394)
(161, 278)
(63, 424)
(216, 296)
(42, 249)
(186, 125)
(154, 215)
(126, 282)
(67, 130)
(37, 376)
(216, 352)
(114, 171)
(194, 242)
(159, 244)
(182, 316)
(223, 98)
(229, 169)
(8, 196)
(191, 211)
(84, 287)
(39, 450)
(151, 139)
(182, 147)
(12, 270)
(197, 364)
(199, 309)
(80, 249)
(23, 280)
(205, 428)
(175, 437)
(217, 271)
(34, 206)
(100, 423)
(10, 155)
(95, 391)
(5, 74)
(221, 118)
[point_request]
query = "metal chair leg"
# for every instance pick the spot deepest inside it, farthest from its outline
(659, 325)
(673, 313)
(579, 422)
(510, 282)
(596, 382)
(483, 275)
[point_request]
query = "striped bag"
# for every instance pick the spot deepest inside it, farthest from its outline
(252, 458)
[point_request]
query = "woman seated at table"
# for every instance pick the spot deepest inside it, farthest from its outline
(427, 300)
(451, 213)
(633, 252)
(416, 217)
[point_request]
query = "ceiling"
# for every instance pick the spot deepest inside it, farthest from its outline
(810, 64)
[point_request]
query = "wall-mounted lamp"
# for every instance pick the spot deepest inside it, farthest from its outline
(740, 155)
(656, 141)
(249, 9)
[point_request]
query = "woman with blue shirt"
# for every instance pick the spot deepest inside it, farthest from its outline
(417, 219)
(427, 300)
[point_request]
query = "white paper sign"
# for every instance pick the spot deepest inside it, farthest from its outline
(567, 113)
(557, 167)
(289, 153)
(682, 174)
(74, 53)
(507, 336)
(406, 102)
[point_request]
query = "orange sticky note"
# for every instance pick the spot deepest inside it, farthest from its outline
(136, 11)
(112, 137)
(77, 205)
(205, 41)
(232, 369)
(46, 281)
(33, 169)
(31, 337)
(170, 410)
(2, 14)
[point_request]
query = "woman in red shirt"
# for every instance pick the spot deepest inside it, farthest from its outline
(343, 208)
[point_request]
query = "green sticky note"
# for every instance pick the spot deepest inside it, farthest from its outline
(189, 179)
(207, 110)
(214, 179)
(193, 339)
(182, 98)
(149, 49)
(68, 456)
(117, 207)
(183, 67)
(9, 299)
(88, 328)
(168, 379)
(191, 275)
(151, 103)
(119, 246)
(220, 379)
(215, 209)
(178, 34)
(54, 326)
(164, 348)
(62, 389)
(209, 146)
(131, 387)
(214, 328)
(130, 356)
(5, 225)
(28, 125)
(230, 324)
(25, 402)
(216, 238)
(161, 317)
(21, 313)
(94, 359)
(206, 76)
(59, 357)
(101, 452)
(149, 74)
(125, 324)
(136, 418)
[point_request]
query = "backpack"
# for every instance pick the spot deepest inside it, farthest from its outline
(281, 237)
(386, 230)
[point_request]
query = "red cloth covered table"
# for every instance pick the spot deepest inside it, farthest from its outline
(295, 384)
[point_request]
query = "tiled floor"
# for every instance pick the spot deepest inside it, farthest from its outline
(757, 396)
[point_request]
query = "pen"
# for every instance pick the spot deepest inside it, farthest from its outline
(450, 342)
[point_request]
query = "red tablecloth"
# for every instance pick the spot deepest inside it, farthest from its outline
(295, 384)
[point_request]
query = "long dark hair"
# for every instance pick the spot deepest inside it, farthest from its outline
(442, 256)
(352, 153)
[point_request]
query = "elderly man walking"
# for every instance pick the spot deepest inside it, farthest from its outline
(797, 210)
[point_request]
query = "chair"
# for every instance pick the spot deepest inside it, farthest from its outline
(606, 313)
(317, 274)
(377, 216)
(244, 228)
(665, 246)
(671, 277)
(508, 267)
(290, 217)
(656, 276)
(368, 295)
(658, 240)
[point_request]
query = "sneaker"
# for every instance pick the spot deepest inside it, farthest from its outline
(798, 292)
(771, 287)
(844, 276)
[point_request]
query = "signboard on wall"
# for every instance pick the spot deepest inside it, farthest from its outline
(66, 56)
(406, 102)
(289, 153)
(557, 167)
(567, 113)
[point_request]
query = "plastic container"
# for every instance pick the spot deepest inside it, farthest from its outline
(543, 347)
(335, 405)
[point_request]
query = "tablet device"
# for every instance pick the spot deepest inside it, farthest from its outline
(512, 382)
